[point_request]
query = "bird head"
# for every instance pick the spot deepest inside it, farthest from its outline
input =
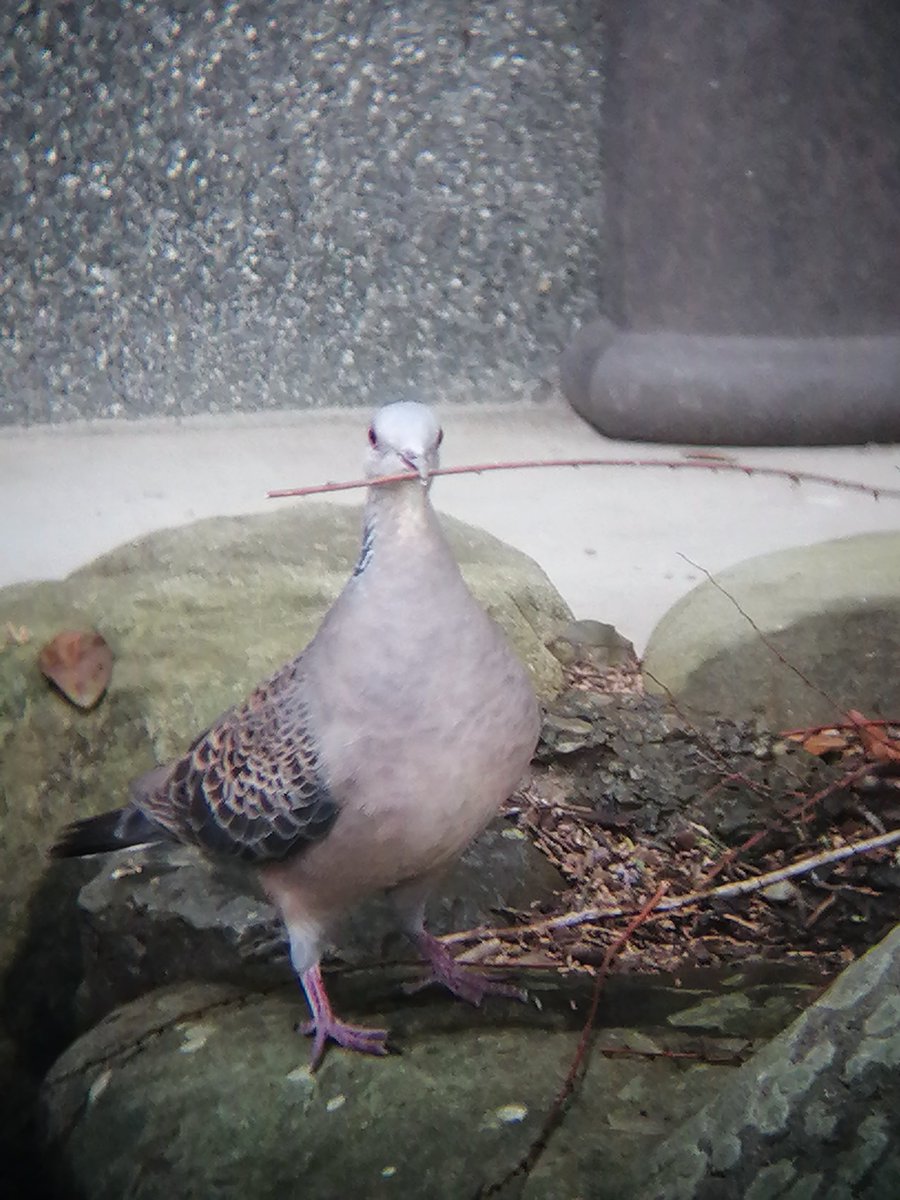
(404, 437)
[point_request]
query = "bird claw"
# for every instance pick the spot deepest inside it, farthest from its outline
(325, 1027)
(351, 1037)
(468, 983)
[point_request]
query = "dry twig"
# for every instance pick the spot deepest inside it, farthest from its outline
(717, 464)
(725, 891)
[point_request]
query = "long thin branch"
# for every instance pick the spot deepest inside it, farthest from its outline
(740, 887)
(671, 464)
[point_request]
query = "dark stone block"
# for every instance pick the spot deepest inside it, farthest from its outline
(673, 387)
(753, 225)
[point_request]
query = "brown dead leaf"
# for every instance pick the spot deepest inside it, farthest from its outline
(79, 664)
(824, 741)
(877, 744)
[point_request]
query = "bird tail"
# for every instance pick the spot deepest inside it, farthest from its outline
(109, 831)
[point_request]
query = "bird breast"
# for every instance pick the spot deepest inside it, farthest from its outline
(421, 752)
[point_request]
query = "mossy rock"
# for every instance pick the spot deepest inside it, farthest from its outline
(204, 1090)
(793, 638)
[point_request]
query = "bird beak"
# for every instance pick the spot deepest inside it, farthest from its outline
(417, 464)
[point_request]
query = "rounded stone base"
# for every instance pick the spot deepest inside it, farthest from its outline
(739, 391)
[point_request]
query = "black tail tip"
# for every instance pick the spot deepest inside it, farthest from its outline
(93, 835)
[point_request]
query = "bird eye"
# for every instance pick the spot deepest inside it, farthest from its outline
(440, 436)
(373, 436)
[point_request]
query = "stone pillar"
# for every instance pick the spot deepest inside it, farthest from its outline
(752, 156)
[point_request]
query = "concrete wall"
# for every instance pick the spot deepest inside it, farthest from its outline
(220, 206)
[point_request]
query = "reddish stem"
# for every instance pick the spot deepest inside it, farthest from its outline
(672, 464)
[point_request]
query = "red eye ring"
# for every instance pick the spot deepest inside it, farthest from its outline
(373, 436)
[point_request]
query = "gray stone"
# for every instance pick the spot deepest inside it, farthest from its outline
(813, 1114)
(832, 612)
(591, 642)
(638, 764)
(204, 1090)
(241, 207)
(738, 391)
(164, 914)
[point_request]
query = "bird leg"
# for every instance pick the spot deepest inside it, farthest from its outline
(325, 1026)
(466, 982)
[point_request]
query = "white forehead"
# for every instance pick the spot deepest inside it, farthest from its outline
(406, 425)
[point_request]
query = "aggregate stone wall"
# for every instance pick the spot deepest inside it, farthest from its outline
(247, 205)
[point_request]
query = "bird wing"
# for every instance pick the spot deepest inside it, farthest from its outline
(252, 786)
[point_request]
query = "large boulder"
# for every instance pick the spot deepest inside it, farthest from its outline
(812, 1114)
(826, 636)
(205, 1090)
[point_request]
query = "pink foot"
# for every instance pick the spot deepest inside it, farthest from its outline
(466, 982)
(325, 1026)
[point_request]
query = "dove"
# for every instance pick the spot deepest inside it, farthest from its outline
(369, 762)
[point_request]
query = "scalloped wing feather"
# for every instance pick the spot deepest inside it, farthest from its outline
(252, 786)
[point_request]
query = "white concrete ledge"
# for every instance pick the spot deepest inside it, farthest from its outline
(609, 539)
